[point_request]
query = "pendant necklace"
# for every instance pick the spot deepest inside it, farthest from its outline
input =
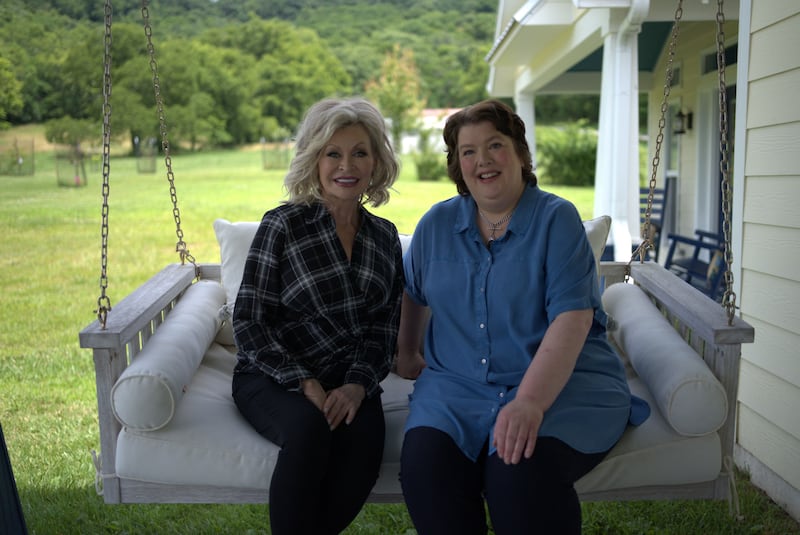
(495, 226)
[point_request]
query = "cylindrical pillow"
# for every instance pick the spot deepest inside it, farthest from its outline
(687, 393)
(148, 391)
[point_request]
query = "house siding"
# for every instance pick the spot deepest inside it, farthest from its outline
(769, 391)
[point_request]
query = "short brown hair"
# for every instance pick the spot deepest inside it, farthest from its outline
(504, 119)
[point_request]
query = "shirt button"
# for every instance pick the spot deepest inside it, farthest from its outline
(483, 361)
(502, 394)
(482, 326)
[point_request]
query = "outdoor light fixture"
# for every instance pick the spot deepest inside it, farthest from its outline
(683, 122)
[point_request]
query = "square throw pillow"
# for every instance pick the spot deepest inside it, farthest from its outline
(597, 231)
(234, 243)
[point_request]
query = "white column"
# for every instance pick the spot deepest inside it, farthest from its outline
(617, 171)
(526, 110)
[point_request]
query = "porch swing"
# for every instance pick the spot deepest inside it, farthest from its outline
(170, 432)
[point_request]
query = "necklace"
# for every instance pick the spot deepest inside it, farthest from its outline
(494, 227)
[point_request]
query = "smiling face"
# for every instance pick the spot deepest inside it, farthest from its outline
(490, 166)
(346, 164)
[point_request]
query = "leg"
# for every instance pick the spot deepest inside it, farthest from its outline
(441, 486)
(356, 455)
(538, 494)
(292, 422)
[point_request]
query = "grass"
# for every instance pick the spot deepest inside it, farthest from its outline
(49, 270)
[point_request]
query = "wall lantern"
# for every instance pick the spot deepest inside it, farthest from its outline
(683, 122)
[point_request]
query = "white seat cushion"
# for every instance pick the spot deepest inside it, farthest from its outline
(209, 443)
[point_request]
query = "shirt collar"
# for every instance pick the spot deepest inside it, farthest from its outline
(316, 212)
(520, 221)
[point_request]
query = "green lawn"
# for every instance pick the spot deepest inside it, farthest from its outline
(49, 270)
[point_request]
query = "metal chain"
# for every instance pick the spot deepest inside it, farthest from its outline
(729, 297)
(647, 243)
(180, 246)
(103, 302)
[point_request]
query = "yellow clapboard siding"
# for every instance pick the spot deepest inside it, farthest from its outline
(771, 299)
(778, 450)
(772, 250)
(774, 349)
(768, 98)
(773, 150)
(765, 43)
(773, 200)
(771, 397)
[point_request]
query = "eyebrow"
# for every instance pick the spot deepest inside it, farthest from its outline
(493, 137)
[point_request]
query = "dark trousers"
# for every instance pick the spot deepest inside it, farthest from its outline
(444, 490)
(322, 478)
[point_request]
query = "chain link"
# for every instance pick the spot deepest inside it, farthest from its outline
(647, 242)
(729, 297)
(180, 246)
(103, 301)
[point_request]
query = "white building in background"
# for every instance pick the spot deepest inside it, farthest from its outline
(432, 119)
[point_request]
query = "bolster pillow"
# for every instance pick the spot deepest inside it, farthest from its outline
(687, 393)
(148, 391)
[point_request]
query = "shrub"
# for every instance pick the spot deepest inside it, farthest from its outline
(566, 155)
(431, 163)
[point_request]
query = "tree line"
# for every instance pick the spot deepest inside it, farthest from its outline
(233, 72)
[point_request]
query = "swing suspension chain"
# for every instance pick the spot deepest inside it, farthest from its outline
(180, 246)
(103, 302)
(647, 243)
(729, 297)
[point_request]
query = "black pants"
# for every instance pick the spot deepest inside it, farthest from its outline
(322, 478)
(444, 490)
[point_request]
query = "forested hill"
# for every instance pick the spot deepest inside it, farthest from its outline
(269, 59)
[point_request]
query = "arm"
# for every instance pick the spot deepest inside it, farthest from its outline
(518, 422)
(412, 326)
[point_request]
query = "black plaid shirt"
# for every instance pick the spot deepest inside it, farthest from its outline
(303, 311)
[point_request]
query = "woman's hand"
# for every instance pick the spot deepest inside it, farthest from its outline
(516, 429)
(410, 366)
(343, 403)
(312, 389)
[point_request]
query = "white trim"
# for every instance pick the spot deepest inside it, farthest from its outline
(742, 91)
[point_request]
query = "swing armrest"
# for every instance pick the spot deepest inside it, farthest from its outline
(695, 311)
(149, 302)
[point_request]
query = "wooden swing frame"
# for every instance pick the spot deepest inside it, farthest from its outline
(115, 340)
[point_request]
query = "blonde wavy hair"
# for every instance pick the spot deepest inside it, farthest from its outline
(321, 121)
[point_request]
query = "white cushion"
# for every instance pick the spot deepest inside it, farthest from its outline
(653, 454)
(597, 232)
(685, 390)
(208, 442)
(147, 393)
(234, 244)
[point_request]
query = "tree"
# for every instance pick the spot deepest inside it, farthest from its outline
(73, 132)
(396, 92)
(10, 91)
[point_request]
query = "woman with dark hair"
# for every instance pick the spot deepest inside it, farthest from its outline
(519, 394)
(316, 320)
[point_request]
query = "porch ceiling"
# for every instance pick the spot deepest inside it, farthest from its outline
(556, 46)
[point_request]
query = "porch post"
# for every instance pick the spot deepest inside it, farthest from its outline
(617, 168)
(525, 109)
